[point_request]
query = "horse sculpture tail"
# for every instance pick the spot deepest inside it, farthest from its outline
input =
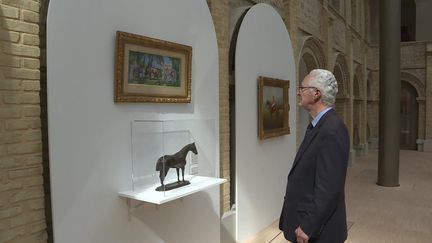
(159, 164)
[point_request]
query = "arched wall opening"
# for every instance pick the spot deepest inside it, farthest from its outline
(408, 116)
(232, 50)
(342, 104)
(413, 89)
(90, 144)
(311, 57)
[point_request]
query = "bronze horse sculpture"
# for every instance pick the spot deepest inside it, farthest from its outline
(177, 161)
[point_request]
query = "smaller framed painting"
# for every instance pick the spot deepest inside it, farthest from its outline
(151, 70)
(273, 107)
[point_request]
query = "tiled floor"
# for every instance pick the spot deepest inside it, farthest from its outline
(383, 214)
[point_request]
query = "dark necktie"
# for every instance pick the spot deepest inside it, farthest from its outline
(309, 129)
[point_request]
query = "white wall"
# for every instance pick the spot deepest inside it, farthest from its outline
(263, 49)
(89, 134)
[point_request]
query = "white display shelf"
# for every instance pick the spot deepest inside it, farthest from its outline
(150, 195)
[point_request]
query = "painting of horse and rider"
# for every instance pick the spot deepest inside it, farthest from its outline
(151, 70)
(273, 107)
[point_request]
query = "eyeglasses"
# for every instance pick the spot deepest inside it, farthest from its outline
(301, 88)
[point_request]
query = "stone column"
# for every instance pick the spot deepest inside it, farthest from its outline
(421, 123)
(364, 50)
(373, 107)
(390, 89)
(350, 100)
(326, 33)
(427, 146)
(290, 18)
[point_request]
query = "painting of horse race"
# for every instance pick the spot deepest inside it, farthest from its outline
(151, 70)
(273, 107)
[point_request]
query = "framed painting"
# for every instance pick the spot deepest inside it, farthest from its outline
(273, 107)
(151, 70)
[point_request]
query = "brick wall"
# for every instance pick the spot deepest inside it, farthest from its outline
(413, 55)
(22, 213)
(309, 17)
(220, 13)
(338, 32)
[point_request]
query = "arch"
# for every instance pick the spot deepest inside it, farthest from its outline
(340, 70)
(208, 37)
(278, 5)
(342, 105)
(233, 41)
(415, 82)
(311, 57)
(420, 89)
(312, 49)
(309, 61)
(409, 116)
(306, 64)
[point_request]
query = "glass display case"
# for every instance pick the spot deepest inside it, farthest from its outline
(172, 159)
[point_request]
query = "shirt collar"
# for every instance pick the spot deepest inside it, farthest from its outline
(318, 117)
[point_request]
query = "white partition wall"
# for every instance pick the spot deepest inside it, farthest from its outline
(89, 134)
(263, 49)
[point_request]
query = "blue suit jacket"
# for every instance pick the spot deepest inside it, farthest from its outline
(315, 196)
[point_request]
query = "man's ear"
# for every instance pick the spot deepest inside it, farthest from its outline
(317, 95)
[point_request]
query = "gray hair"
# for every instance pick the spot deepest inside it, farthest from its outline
(326, 82)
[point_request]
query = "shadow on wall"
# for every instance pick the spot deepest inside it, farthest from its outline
(43, 13)
(171, 221)
(228, 227)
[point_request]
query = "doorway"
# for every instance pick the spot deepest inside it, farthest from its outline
(408, 117)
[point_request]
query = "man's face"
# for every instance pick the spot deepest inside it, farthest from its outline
(307, 93)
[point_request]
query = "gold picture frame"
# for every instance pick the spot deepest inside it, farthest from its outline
(273, 107)
(149, 70)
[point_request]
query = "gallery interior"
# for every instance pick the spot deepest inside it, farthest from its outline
(100, 98)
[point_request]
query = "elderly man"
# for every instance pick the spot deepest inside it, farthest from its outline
(314, 202)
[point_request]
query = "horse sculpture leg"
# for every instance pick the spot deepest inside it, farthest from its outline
(182, 168)
(162, 174)
(161, 177)
(178, 176)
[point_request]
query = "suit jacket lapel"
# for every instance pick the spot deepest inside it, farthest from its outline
(304, 145)
(309, 138)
